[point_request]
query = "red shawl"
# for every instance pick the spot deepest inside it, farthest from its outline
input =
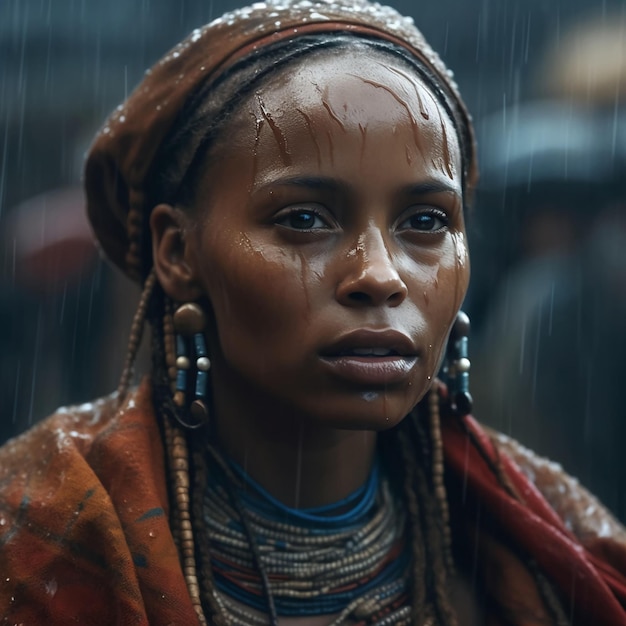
(84, 534)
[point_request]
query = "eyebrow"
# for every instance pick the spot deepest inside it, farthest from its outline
(330, 184)
(432, 186)
(308, 182)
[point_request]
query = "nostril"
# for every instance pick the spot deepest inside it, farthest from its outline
(359, 296)
(396, 298)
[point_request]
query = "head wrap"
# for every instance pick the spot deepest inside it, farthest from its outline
(119, 163)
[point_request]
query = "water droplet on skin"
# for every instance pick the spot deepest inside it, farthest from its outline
(331, 113)
(404, 105)
(363, 131)
(151, 534)
(258, 122)
(309, 125)
(304, 279)
(278, 133)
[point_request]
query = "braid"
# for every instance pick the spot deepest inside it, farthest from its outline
(413, 450)
(437, 465)
(252, 542)
(136, 333)
(186, 501)
(208, 591)
(418, 575)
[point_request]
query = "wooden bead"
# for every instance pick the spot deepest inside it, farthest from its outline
(179, 451)
(189, 319)
(179, 399)
(180, 464)
(182, 480)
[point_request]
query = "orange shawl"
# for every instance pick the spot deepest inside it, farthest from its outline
(84, 534)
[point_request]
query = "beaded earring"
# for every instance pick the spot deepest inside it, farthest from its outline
(457, 365)
(188, 362)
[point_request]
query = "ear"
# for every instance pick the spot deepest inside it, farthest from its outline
(172, 254)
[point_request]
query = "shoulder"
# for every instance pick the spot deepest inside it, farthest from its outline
(581, 512)
(72, 428)
(79, 494)
(76, 445)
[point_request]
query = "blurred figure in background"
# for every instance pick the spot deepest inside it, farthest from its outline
(554, 196)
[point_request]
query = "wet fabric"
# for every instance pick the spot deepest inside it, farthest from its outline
(85, 539)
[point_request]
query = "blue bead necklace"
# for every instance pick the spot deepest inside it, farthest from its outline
(348, 556)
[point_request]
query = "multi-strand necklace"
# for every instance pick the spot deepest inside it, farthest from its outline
(346, 560)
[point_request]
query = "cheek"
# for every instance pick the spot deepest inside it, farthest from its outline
(443, 287)
(258, 292)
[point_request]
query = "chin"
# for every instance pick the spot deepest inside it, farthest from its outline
(367, 410)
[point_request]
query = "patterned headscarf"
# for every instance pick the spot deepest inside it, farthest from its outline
(121, 160)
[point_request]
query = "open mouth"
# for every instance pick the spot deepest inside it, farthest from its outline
(368, 352)
(372, 358)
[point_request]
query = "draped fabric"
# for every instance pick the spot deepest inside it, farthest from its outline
(84, 534)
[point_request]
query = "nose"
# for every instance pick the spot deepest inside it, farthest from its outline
(370, 277)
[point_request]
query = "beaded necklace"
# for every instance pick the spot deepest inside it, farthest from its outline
(347, 559)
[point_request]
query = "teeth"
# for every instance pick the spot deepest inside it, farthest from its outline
(371, 351)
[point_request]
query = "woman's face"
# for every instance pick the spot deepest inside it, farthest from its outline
(330, 243)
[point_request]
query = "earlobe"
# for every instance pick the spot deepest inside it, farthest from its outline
(171, 254)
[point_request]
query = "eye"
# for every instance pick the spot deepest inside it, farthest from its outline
(429, 220)
(302, 219)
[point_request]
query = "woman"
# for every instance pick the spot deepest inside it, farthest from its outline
(289, 185)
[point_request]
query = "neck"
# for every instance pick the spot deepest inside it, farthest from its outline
(300, 463)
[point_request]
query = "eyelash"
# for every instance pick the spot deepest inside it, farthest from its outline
(430, 212)
(317, 215)
(293, 213)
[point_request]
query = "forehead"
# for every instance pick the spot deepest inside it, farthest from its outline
(361, 97)
(353, 76)
(356, 77)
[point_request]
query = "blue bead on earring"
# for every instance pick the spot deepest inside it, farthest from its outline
(191, 349)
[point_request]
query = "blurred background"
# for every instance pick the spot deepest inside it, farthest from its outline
(545, 82)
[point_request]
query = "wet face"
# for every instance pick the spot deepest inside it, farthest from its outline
(329, 241)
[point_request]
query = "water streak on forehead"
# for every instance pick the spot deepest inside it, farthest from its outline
(279, 136)
(326, 99)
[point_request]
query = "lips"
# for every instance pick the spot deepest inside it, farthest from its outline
(371, 342)
(371, 357)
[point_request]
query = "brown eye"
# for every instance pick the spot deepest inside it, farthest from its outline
(426, 221)
(302, 219)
